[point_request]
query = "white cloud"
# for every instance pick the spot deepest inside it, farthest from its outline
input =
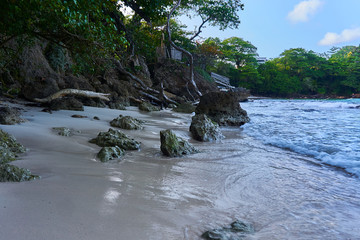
(345, 36)
(304, 10)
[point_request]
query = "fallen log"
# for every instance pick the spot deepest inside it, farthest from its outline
(64, 92)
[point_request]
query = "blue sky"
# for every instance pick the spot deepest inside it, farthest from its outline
(276, 25)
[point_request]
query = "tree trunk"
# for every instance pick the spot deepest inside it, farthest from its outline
(187, 53)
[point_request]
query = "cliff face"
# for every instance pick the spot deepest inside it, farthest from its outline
(43, 69)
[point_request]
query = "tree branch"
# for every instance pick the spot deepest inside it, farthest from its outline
(199, 30)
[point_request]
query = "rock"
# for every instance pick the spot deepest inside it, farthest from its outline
(109, 153)
(66, 103)
(9, 147)
(78, 116)
(148, 107)
(10, 173)
(237, 230)
(127, 122)
(242, 93)
(203, 129)
(10, 116)
(96, 118)
(185, 108)
(114, 138)
(63, 131)
(174, 146)
(223, 108)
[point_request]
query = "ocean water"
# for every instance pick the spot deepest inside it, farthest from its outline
(327, 130)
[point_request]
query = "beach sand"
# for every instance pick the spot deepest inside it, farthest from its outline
(146, 195)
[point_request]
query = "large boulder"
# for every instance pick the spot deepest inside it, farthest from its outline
(127, 122)
(223, 108)
(114, 138)
(203, 129)
(109, 153)
(237, 230)
(174, 146)
(10, 116)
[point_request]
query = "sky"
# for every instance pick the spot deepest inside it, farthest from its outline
(277, 25)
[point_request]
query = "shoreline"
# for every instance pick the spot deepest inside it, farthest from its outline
(146, 195)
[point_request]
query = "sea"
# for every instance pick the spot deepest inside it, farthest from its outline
(327, 130)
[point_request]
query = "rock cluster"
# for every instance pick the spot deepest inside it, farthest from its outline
(223, 108)
(127, 122)
(203, 129)
(174, 146)
(114, 143)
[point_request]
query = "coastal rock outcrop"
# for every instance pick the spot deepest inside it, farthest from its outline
(10, 116)
(174, 146)
(223, 108)
(127, 122)
(109, 153)
(203, 129)
(114, 138)
(237, 230)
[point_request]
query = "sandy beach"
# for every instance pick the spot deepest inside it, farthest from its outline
(145, 195)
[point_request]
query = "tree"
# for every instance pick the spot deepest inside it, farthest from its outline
(217, 13)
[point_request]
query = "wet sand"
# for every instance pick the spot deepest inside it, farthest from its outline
(146, 195)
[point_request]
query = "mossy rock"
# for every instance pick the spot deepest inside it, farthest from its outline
(204, 129)
(10, 116)
(10, 173)
(63, 131)
(109, 153)
(148, 107)
(237, 230)
(9, 147)
(114, 138)
(127, 122)
(174, 146)
(185, 108)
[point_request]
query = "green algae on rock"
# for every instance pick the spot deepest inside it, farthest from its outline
(109, 153)
(11, 173)
(127, 122)
(9, 147)
(203, 129)
(185, 108)
(114, 138)
(237, 230)
(148, 107)
(174, 146)
(63, 131)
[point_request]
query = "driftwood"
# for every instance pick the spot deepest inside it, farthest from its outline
(64, 92)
